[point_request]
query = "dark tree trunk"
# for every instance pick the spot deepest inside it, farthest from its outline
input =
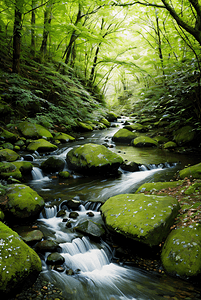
(17, 40)
(33, 21)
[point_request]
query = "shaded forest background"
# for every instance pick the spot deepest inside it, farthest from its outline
(64, 62)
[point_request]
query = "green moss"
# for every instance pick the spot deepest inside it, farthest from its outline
(63, 137)
(24, 166)
(41, 145)
(170, 145)
(84, 127)
(161, 139)
(31, 130)
(192, 171)
(144, 218)
(64, 174)
(157, 186)
(144, 141)
(184, 135)
(136, 127)
(6, 135)
(124, 136)
(17, 260)
(181, 254)
(105, 122)
(9, 155)
(194, 188)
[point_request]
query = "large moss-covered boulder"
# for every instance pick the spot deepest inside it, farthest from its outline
(192, 171)
(34, 131)
(170, 145)
(19, 264)
(144, 218)
(124, 136)
(161, 139)
(184, 135)
(93, 159)
(111, 116)
(25, 167)
(53, 164)
(181, 253)
(21, 203)
(8, 155)
(82, 127)
(63, 137)
(41, 145)
(144, 141)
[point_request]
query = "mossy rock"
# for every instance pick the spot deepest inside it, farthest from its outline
(181, 253)
(20, 143)
(93, 159)
(18, 262)
(8, 155)
(2, 216)
(64, 174)
(124, 136)
(31, 236)
(111, 116)
(6, 135)
(53, 164)
(25, 167)
(84, 127)
(9, 170)
(34, 131)
(144, 141)
(158, 186)
(161, 139)
(63, 137)
(105, 122)
(22, 202)
(170, 145)
(136, 127)
(90, 228)
(194, 188)
(184, 135)
(144, 218)
(41, 145)
(192, 171)
(8, 146)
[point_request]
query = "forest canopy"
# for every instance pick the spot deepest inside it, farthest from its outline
(131, 51)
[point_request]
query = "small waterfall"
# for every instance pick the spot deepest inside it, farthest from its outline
(37, 173)
(143, 168)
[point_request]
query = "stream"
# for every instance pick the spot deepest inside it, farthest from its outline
(95, 273)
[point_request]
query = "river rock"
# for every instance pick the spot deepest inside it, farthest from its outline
(8, 155)
(34, 131)
(136, 127)
(7, 145)
(144, 141)
(144, 218)
(5, 135)
(73, 215)
(22, 202)
(124, 136)
(152, 187)
(64, 174)
(161, 139)
(55, 259)
(192, 171)
(93, 159)
(63, 137)
(19, 263)
(52, 164)
(105, 122)
(31, 236)
(130, 166)
(47, 246)
(41, 145)
(181, 253)
(9, 170)
(170, 145)
(82, 127)
(90, 228)
(70, 204)
(111, 116)
(184, 135)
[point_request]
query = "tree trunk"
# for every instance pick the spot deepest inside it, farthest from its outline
(17, 40)
(47, 22)
(33, 21)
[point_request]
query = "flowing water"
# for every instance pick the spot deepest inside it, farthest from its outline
(95, 275)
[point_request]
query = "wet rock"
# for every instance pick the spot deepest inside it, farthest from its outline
(84, 127)
(105, 122)
(130, 166)
(69, 224)
(20, 265)
(47, 246)
(69, 272)
(29, 157)
(93, 159)
(55, 259)
(161, 139)
(63, 137)
(90, 214)
(181, 253)
(22, 203)
(61, 213)
(111, 116)
(8, 136)
(64, 174)
(52, 164)
(31, 236)
(144, 141)
(34, 131)
(8, 155)
(41, 145)
(144, 218)
(136, 127)
(124, 136)
(90, 228)
(70, 204)
(59, 268)
(9, 170)
(73, 215)
(170, 145)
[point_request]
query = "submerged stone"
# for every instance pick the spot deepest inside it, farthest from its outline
(144, 218)
(181, 253)
(93, 159)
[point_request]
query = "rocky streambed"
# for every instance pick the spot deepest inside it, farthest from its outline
(94, 224)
